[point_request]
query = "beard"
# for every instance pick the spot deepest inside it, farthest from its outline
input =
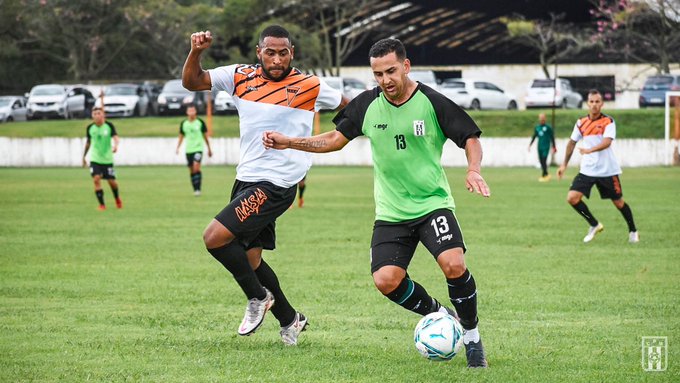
(268, 74)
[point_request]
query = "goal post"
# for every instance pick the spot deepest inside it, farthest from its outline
(670, 152)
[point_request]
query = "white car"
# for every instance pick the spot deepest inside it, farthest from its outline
(477, 94)
(55, 100)
(350, 87)
(12, 108)
(426, 77)
(542, 94)
(124, 100)
(224, 103)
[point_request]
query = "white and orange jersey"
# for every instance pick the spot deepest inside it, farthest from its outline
(285, 106)
(602, 163)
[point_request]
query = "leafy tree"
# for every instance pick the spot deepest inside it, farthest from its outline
(554, 40)
(641, 31)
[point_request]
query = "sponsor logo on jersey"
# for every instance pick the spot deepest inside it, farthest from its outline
(380, 126)
(418, 128)
(291, 93)
(250, 205)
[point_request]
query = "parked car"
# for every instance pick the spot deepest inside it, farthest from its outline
(12, 108)
(477, 94)
(350, 87)
(152, 91)
(542, 93)
(224, 103)
(654, 91)
(426, 77)
(174, 98)
(61, 101)
(124, 100)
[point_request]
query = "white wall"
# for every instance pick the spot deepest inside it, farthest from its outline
(515, 79)
(498, 152)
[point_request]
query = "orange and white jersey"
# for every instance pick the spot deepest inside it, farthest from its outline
(285, 106)
(602, 163)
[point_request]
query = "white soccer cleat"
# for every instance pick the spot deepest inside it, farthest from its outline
(197, 193)
(255, 312)
(592, 232)
(633, 237)
(290, 333)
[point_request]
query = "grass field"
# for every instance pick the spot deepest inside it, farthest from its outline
(131, 295)
(633, 123)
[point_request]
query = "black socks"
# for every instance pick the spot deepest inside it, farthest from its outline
(583, 210)
(282, 310)
(233, 257)
(628, 216)
(463, 295)
(196, 181)
(412, 296)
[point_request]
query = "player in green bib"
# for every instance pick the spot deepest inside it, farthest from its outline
(407, 124)
(195, 132)
(99, 135)
(546, 139)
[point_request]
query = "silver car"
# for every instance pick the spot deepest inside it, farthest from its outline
(12, 108)
(124, 100)
(53, 100)
(477, 94)
(542, 93)
(350, 87)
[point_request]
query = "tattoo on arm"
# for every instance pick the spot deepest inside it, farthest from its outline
(307, 144)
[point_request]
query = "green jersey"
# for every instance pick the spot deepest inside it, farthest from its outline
(193, 134)
(100, 142)
(546, 138)
(406, 144)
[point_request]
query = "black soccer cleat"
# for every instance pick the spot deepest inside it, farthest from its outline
(474, 351)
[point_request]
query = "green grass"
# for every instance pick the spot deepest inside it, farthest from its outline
(132, 295)
(631, 123)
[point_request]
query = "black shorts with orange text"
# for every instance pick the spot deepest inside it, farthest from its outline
(251, 215)
(609, 187)
(394, 243)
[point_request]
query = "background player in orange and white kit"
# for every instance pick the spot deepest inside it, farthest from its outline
(271, 95)
(599, 167)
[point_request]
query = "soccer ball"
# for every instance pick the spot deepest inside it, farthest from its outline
(438, 336)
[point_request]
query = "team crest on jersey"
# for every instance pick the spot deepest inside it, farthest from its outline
(418, 128)
(291, 93)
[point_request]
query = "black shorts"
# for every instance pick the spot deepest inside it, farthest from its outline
(251, 215)
(394, 243)
(609, 187)
(106, 171)
(194, 157)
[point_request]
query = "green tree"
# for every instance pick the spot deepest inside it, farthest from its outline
(641, 31)
(553, 40)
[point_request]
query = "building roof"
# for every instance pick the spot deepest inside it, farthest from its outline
(458, 32)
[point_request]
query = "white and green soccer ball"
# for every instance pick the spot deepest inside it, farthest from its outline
(438, 336)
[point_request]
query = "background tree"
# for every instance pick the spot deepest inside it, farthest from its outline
(640, 31)
(553, 40)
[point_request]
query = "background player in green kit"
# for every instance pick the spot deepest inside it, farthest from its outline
(99, 134)
(408, 124)
(546, 139)
(196, 132)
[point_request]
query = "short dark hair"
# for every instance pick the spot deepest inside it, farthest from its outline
(274, 31)
(387, 46)
(594, 92)
(192, 105)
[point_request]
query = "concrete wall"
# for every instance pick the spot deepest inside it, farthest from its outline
(498, 152)
(515, 79)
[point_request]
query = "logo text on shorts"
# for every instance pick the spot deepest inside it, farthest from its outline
(654, 353)
(250, 205)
